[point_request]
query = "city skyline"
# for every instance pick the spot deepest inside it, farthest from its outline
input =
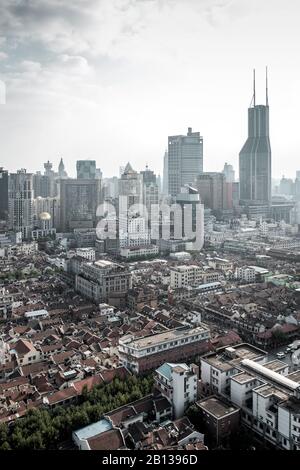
(73, 84)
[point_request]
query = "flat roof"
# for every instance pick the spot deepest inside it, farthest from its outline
(103, 263)
(295, 376)
(93, 429)
(169, 335)
(209, 284)
(243, 377)
(216, 407)
(223, 361)
(275, 365)
(36, 313)
(267, 390)
(259, 270)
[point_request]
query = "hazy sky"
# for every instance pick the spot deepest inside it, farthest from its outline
(111, 79)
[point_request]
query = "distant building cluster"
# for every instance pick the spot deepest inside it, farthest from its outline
(187, 288)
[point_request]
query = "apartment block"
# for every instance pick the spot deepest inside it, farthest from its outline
(149, 352)
(178, 383)
(267, 394)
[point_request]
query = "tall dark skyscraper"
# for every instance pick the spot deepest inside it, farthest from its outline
(3, 193)
(255, 156)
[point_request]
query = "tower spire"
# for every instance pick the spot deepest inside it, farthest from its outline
(267, 88)
(254, 88)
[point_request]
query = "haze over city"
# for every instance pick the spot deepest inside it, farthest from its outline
(110, 80)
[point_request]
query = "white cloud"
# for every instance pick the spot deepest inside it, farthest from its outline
(91, 69)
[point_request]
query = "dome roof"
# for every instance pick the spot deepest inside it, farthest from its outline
(44, 216)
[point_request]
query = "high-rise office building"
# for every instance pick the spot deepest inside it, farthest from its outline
(79, 199)
(185, 160)
(188, 197)
(131, 186)
(150, 190)
(255, 157)
(20, 198)
(165, 175)
(286, 186)
(41, 185)
(51, 175)
(110, 188)
(229, 173)
(215, 193)
(61, 169)
(49, 205)
(86, 169)
(3, 193)
(297, 186)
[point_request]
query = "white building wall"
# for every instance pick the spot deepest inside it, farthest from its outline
(205, 373)
(237, 393)
(178, 394)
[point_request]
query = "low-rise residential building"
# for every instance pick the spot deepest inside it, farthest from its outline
(179, 384)
(267, 394)
(183, 276)
(104, 281)
(87, 253)
(25, 352)
(141, 251)
(245, 274)
(219, 418)
(137, 298)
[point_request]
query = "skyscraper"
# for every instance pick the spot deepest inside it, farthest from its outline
(255, 157)
(165, 174)
(86, 169)
(61, 169)
(3, 193)
(229, 173)
(185, 160)
(41, 185)
(20, 197)
(79, 199)
(131, 186)
(150, 189)
(215, 193)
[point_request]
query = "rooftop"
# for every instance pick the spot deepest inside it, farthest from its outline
(168, 335)
(275, 365)
(243, 378)
(268, 390)
(216, 407)
(93, 429)
(228, 358)
(167, 368)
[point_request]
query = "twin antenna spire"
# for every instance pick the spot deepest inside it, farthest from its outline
(254, 89)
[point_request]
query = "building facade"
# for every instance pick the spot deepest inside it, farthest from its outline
(79, 200)
(185, 160)
(143, 354)
(255, 158)
(20, 196)
(86, 169)
(179, 384)
(3, 194)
